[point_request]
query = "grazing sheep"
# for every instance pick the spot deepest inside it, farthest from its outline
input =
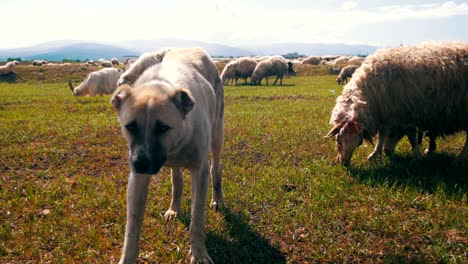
(114, 61)
(340, 62)
(346, 73)
(236, 69)
(7, 68)
(106, 64)
(422, 86)
(229, 73)
(39, 62)
(329, 58)
(357, 61)
(145, 61)
(312, 60)
(245, 68)
(272, 66)
(90, 62)
(99, 82)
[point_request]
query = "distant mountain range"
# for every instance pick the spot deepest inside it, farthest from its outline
(75, 49)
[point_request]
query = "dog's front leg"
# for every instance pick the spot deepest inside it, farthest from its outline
(200, 180)
(137, 192)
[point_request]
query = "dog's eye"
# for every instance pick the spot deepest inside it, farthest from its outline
(131, 127)
(162, 128)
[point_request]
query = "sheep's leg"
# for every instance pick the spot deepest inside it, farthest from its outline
(281, 81)
(432, 144)
(277, 77)
(420, 136)
(464, 153)
(411, 134)
(378, 147)
(266, 78)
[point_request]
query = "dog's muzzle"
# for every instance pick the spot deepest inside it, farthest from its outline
(143, 165)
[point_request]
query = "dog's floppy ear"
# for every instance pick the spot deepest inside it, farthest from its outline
(120, 94)
(183, 100)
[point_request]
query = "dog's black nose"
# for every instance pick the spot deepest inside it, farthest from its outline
(141, 165)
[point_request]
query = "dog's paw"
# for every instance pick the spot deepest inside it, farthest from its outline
(200, 256)
(170, 215)
(217, 206)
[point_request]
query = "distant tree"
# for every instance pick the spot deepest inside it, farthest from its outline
(70, 60)
(14, 59)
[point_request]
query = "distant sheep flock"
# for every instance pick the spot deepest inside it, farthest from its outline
(407, 90)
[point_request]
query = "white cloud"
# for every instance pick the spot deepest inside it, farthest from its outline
(220, 21)
(348, 5)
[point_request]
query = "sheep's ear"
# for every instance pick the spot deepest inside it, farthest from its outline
(335, 130)
(183, 100)
(119, 96)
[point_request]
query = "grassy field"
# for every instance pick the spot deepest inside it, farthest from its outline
(63, 175)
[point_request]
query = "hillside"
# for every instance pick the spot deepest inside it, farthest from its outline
(74, 49)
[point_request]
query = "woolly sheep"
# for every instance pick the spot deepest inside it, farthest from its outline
(275, 65)
(340, 62)
(100, 82)
(91, 62)
(346, 73)
(357, 61)
(145, 61)
(229, 73)
(7, 68)
(422, 86)
(106, 63)
(312, 60)
(245, 67)
(240, 68)
(329, 57)
(39, 62)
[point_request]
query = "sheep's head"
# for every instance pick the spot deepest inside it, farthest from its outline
(338, 80)
(348, 136)
(256, 78)
(291, 70)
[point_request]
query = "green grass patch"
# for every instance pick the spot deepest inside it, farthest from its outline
(63, 176)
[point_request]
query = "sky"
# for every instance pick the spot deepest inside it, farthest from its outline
(237, 22)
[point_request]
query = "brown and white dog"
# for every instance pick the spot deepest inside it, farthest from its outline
(173, 116)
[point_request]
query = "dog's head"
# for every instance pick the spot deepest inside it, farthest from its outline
(152, 117)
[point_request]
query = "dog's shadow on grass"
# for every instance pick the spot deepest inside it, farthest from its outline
(438, 172)
(241, 244)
